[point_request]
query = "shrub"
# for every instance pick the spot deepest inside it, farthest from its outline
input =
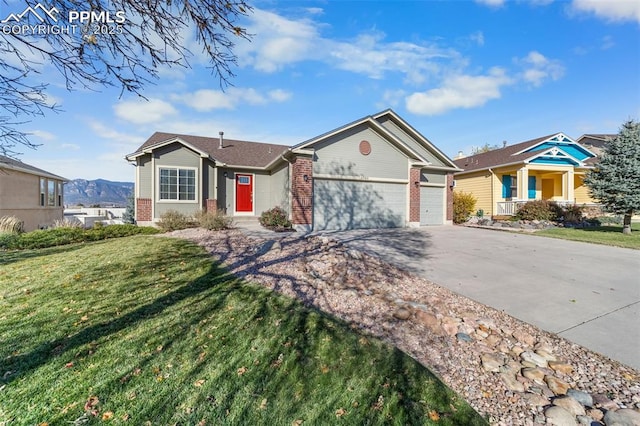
(61, 236)
(213, 220)
(11, 224)
(275, 219)
(463, 205)
(572, 213)
(537, 210)
(67, 223)
(173, 220)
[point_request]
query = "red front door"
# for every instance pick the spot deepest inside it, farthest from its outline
(244, 193)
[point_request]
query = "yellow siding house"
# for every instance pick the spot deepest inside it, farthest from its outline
(547, 168)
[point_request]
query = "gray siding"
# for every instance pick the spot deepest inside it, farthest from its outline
(176, 155)
(144, 176)
(261, 192)
(431, 205)
(188, 209)
(433, 177)
(280, 188)
(411, 142)
(340, 155)
(351, 205)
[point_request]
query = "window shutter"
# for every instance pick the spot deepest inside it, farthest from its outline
(506, 186)
(532, 187)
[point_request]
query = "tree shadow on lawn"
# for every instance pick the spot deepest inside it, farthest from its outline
(298, 335)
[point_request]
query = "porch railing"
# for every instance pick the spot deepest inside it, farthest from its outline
(510, 208)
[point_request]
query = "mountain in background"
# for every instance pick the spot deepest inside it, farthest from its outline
(99, 191)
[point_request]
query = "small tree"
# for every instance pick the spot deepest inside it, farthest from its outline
(615, 180)
(129, 215)
(463, 205)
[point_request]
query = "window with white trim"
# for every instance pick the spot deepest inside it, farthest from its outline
(177, 184)
(43, 191)
(51, 193)
(514, 186)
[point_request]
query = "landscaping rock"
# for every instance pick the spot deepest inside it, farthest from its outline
(570, 404)
(533, 358)
(511, 383)
(556, 385)
(559, 416)
(402, 314)
(582, 397)
(492, 361)
(622, 417)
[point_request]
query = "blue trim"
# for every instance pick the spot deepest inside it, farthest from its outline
(555, 160)
(506, 186)
(532, 188)
(573, 149)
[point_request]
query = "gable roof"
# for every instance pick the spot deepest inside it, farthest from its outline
(13, 164)
(373, 121)
(522, 152)
(233, 152)
(419, 137)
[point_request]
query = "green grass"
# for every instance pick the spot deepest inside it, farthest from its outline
(146, 330)
(610, 235)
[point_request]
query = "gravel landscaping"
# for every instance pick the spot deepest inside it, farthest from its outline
(509, 371)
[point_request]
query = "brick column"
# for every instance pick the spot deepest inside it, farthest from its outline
(302, 191)
(414, 197)
(143, 210)
(449, 190)
(212, 205)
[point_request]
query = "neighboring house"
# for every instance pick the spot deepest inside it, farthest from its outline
(33, 195)
(374, 172)
(595, 142)
(548, 168)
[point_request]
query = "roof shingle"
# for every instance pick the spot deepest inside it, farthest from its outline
(233, 153)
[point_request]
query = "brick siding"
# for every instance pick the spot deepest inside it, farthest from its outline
(143, 209)
(414, 195)
(301, 191)
(449, 190)
(212, 204)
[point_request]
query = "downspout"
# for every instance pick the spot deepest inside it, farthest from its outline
(491, 183)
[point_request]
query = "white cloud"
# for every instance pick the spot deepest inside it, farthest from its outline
(47, 136)
(279, 95)
(491, 3)
(70, 146)
(477, 37)
(610, 10)
(208, 100)
(282, 42)
(539, 68)
(140, 111)
(391, 98)
(278, 41)
(460, 91)
(607, 43)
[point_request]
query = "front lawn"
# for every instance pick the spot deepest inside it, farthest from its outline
(610, 235)
(145, 330)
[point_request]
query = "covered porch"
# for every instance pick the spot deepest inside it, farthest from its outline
(562, 185)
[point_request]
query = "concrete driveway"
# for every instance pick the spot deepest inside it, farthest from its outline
(586, 293)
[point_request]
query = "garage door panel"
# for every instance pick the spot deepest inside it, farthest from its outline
(353, 205)
(431, 205)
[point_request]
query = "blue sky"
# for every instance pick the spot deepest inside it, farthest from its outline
(463, 73)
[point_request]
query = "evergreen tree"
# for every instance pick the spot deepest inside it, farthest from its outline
(129, 212)
(615, 180)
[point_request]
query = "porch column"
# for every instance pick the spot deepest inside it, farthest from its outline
(523, 184)
(568, 190)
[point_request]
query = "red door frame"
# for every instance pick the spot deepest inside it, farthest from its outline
(244, 193)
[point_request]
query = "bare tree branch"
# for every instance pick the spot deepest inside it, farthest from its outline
(107, 52)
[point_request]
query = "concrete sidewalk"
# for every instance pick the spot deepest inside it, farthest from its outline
(587, 293)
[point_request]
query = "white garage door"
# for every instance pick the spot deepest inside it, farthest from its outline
(431, 205)
(339, 204)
